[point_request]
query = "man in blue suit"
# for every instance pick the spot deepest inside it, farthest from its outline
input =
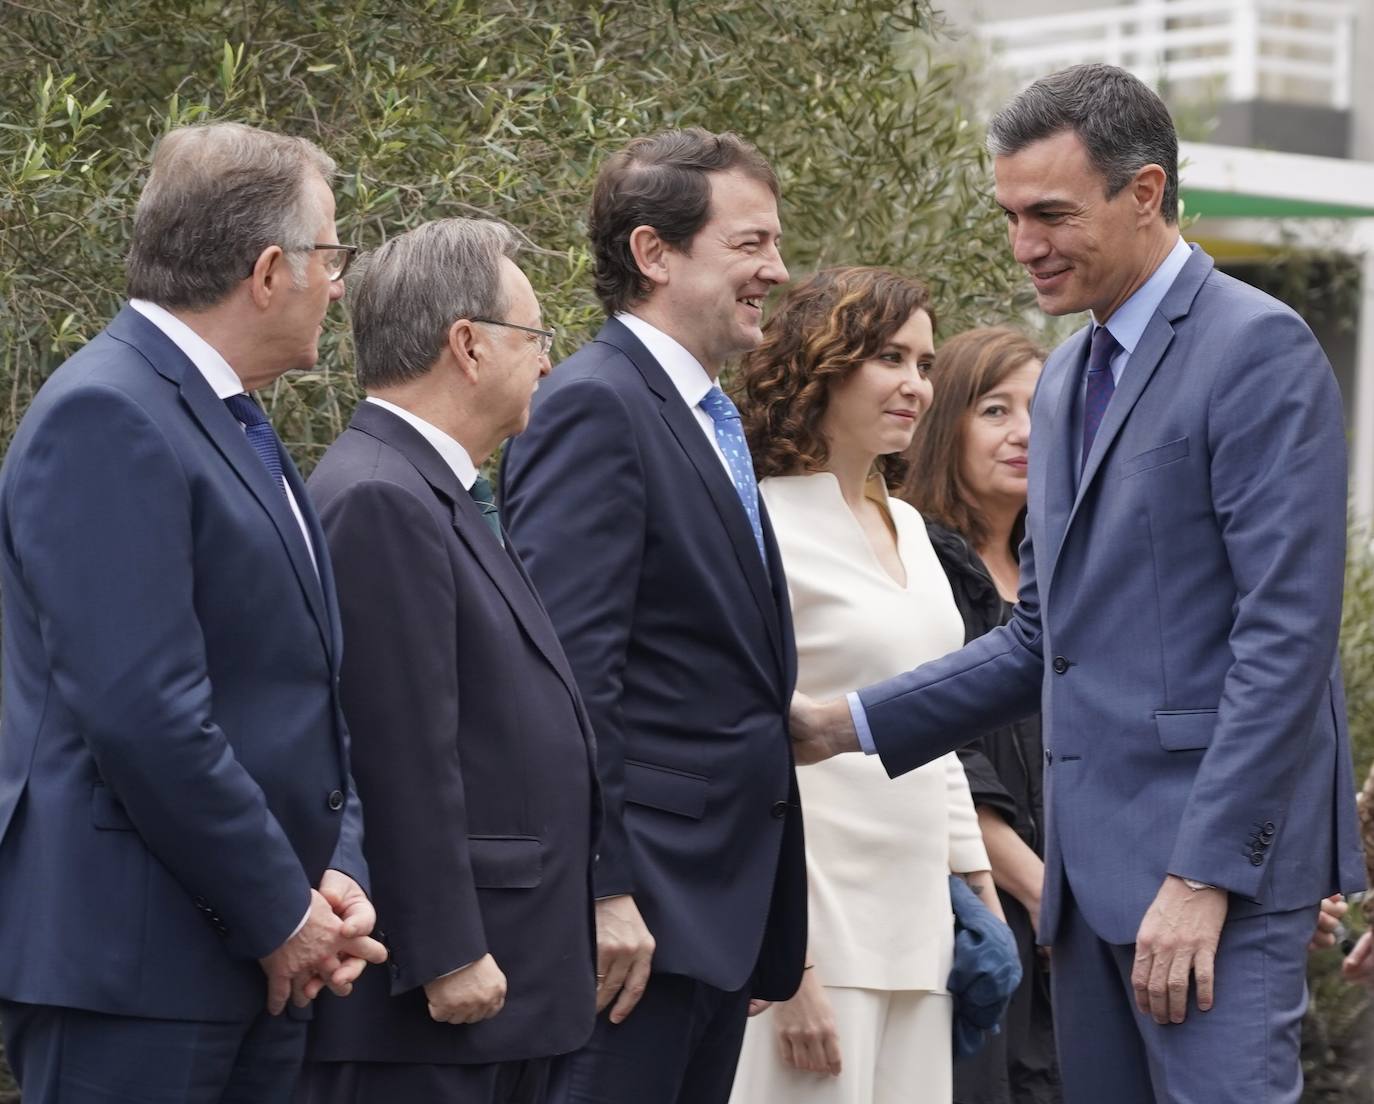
(1177, 624)
(631, 499)
(180, 843)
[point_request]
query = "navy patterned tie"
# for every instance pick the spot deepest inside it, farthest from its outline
(483, 495)
(1101, 386)
(260, 435)
(730, 437)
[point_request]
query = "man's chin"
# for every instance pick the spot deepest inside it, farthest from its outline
(1056, 306)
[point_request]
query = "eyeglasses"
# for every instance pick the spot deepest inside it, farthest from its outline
(545, 336)
(336, 257)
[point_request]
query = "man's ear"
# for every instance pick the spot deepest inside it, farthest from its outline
(650, 254)
(269, 270)
(463, 345)
(1147, 191)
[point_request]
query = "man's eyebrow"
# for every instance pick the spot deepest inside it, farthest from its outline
(1042, 206)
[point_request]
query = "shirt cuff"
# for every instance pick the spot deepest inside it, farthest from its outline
(860, 719)
(464, 966)
(299, 926)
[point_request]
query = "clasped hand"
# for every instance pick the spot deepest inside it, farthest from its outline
(330, 950)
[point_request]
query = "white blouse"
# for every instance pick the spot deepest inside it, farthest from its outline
(879, 850)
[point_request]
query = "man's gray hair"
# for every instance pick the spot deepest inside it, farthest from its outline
(217, 196)
(414, 287)
(1122, 124)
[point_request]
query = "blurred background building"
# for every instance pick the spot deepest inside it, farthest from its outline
(1275, 102)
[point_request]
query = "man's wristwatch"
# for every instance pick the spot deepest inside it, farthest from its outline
(1195, 885)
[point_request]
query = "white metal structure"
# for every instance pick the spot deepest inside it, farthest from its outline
(1299, 51)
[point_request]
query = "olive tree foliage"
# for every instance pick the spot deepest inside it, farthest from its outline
(503, 109)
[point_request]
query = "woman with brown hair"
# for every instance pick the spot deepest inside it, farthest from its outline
(829, 402)
(968, 480)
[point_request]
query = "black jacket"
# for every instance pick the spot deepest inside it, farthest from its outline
(1005, 766)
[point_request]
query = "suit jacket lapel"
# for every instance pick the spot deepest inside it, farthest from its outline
(1140, 368)
(228, 437)
(685, 428)
(1056, 490)
(471, 528)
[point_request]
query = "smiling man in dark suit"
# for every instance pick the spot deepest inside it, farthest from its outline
(174, 775)
(632, 500)
(471, 747)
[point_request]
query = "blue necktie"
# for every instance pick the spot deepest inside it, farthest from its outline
(730, 437)
(1101, 386)
(260, 435)
(483, 495)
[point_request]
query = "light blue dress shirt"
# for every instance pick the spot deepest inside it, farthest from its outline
(1127, 325)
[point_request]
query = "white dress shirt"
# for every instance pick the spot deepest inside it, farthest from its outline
(689, 377)
(223, 380)
(453, 454)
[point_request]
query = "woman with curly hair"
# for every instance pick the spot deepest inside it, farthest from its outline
(968, 480)
(829, 402)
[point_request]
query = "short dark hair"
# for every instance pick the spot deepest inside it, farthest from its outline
(828, 325)
(410, 290)
(217, 196)
(660, 181)
(1121, 122)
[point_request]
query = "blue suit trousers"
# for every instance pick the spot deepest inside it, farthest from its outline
(1245, 1049)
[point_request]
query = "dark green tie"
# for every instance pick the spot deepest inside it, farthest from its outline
(486, 502)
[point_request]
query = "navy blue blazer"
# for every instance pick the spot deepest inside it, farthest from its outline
(473, 756)
(682, 644)
(173, 759)
(1177, 623)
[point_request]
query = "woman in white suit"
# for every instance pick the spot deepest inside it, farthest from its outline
(830, 400)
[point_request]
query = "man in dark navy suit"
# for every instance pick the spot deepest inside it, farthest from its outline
(471, 747)
(632, 501)
(179, 835)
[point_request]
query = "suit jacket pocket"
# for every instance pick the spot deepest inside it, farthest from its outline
(1185, 729)
(1155, 457)
(107, 812)
(666, 788)
(506, 862)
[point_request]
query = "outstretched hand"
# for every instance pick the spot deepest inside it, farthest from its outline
(820, 730)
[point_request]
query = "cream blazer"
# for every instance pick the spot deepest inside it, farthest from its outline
(879, 850)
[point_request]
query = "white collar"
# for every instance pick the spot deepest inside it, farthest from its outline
(452, 453)
(223, 380)
(688, 376)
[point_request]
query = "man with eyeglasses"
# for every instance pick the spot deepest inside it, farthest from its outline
(180, 839)
(471, 747)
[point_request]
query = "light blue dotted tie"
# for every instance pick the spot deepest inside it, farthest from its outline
(730, 437)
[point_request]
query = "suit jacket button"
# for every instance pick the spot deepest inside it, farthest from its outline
(1268, 830)
(779, 809)
(1257, 858)
(336, 800)
(1060, 665)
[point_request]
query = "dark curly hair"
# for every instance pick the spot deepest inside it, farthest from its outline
(827, 326)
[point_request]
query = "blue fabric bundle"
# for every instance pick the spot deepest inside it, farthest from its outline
(986, 972)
